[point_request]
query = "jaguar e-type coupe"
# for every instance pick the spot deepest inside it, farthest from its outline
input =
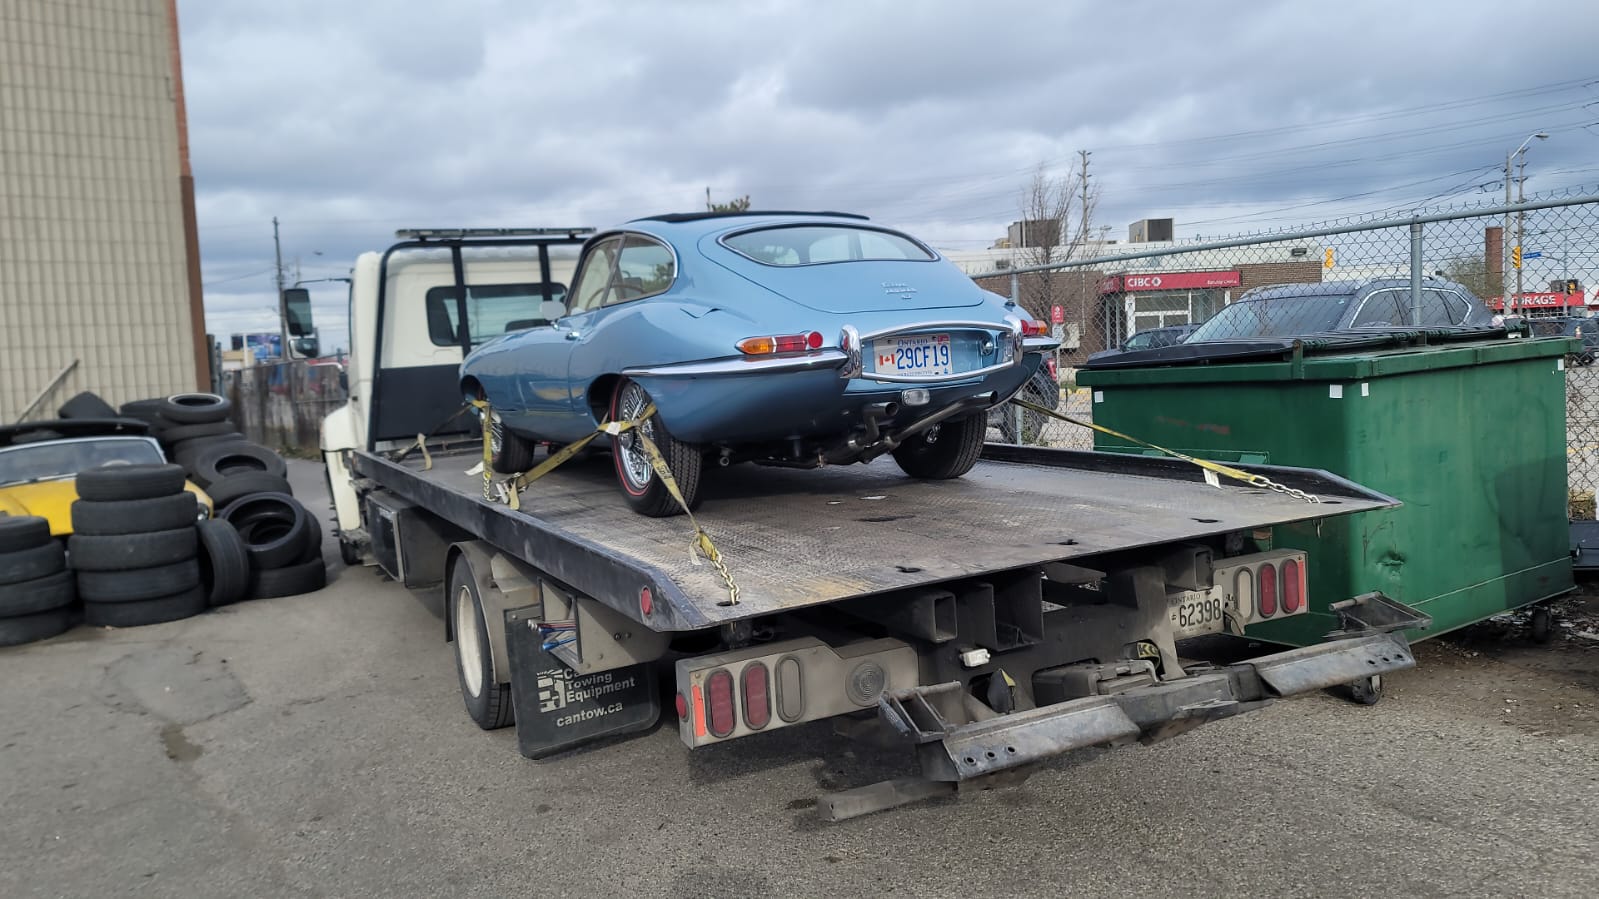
(780, 338)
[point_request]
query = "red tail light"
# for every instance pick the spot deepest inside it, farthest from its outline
(682, 708)
(1268, 591)
(719, 702)
(757, 697)
(1054, 370)
(1293, 587)
(646, 601)
(787, 343)
(1034, 329)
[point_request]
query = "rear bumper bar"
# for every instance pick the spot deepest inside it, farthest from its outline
(957, 738)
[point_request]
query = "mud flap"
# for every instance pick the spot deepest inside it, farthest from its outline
(558, 709)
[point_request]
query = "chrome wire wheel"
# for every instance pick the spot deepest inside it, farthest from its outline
(930, 436)
(635, 461)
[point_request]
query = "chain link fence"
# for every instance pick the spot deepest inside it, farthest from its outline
(1429, 273)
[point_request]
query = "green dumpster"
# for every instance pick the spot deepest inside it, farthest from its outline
(1469, 436)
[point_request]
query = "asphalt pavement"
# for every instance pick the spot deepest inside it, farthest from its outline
(316, 746)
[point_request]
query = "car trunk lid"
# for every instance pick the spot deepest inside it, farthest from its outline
(872, 285)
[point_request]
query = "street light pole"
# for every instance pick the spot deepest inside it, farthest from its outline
(1508, 300)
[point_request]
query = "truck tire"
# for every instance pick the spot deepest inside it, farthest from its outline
(645, 491)
(121, 482)
(39, 626)
(224, 563)
(124, 551)
(945, 452)
(488, 703)
(22, 565)
(86, 405)
(145, 611)
(228, 458)
(229, 490)
(273, 526)
(196, 408)
(44, 594)
(291, 580)
(138, 583)
(135, 516)
(176, 434)
(23, 532)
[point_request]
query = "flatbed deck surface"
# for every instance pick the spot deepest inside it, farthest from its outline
(794, 538)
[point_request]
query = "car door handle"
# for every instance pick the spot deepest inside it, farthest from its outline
(573, 335)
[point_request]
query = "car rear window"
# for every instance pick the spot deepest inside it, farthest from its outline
(817, 244)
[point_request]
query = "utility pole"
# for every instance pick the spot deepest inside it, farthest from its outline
(277, 251)
(1521, 218)
(1082, 276)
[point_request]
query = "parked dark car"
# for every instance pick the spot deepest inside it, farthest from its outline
(1150, 338)
(1586, 329)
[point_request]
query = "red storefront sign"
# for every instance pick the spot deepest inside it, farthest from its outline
(1169, 281)
(1541, 301)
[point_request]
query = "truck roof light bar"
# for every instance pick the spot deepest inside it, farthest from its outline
(461, 233)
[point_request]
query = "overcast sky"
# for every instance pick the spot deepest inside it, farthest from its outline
(348, 120)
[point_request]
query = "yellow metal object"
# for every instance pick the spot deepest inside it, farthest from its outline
(52, 500)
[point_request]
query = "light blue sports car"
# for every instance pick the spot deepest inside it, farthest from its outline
(780, 338)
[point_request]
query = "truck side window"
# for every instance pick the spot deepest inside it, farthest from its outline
(491, 310)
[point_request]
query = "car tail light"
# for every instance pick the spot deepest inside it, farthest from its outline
(788, 343)
(1034, 329)
(719, 702)
(682, 708)
(1054, 370)
(1267, 599)
(757, 698)
(1293, 587)
(646, 601)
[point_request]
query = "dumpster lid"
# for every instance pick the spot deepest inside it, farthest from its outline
(1265, 349)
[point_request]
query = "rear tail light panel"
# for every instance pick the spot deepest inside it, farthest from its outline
(1265, 586)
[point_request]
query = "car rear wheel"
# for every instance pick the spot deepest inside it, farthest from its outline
(644, 489)
(509, 452)
(947, 450)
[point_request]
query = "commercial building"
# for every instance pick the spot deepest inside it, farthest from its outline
(99, 267)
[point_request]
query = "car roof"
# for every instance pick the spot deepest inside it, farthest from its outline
(1342, 288)
(690, 226)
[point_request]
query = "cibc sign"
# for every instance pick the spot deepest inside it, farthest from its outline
(1170, 281)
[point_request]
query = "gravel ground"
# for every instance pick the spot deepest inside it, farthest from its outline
(316, 746)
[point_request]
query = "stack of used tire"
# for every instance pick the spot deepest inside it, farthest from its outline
(37, 599)
(283, 542)
(186, 423)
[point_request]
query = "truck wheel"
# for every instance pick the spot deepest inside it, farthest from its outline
(488, 703)
(645, 491)
(946, 451)
(1541, 627)
(1366, 691)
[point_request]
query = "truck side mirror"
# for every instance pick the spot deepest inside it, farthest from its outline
(297, 312)
(309, 347)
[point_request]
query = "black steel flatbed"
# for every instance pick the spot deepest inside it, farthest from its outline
(802, 538)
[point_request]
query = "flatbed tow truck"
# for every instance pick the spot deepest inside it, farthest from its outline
(1033, 607)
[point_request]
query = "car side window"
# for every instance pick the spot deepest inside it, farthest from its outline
(1382, 308)
(594, 281)
(645, 268)
(1443, 307)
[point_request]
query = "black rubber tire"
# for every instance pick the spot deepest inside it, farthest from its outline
(145, 611)
(23, 532)
(86, 405)
(53, 591)
(34, 562)
(178, 433)
(686, 461)
(40, 626)
(949, 452)
(138, 583)
(224, 563)
(1365, 691)
(273, 526)
(490, 707)
(235, 457)
(229, 490)
(313, 541)
(135, 516)
(185, 452)
(1032, 424)
(196, 408)
(306, 577)
(125, 551)
(122, 482)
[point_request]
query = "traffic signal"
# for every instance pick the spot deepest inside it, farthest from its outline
(1327, 259)
(1515, 256)
(1572, 286)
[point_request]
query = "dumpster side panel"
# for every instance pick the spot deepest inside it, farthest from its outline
(1471, 441)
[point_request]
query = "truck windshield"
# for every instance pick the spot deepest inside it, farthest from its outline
(815, 244)
(1284, 316)
(65, 458)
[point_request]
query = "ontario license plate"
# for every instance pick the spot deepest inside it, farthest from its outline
(927, 354)
(1193, 614)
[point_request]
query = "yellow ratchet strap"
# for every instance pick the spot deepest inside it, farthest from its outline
(1226, 471)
